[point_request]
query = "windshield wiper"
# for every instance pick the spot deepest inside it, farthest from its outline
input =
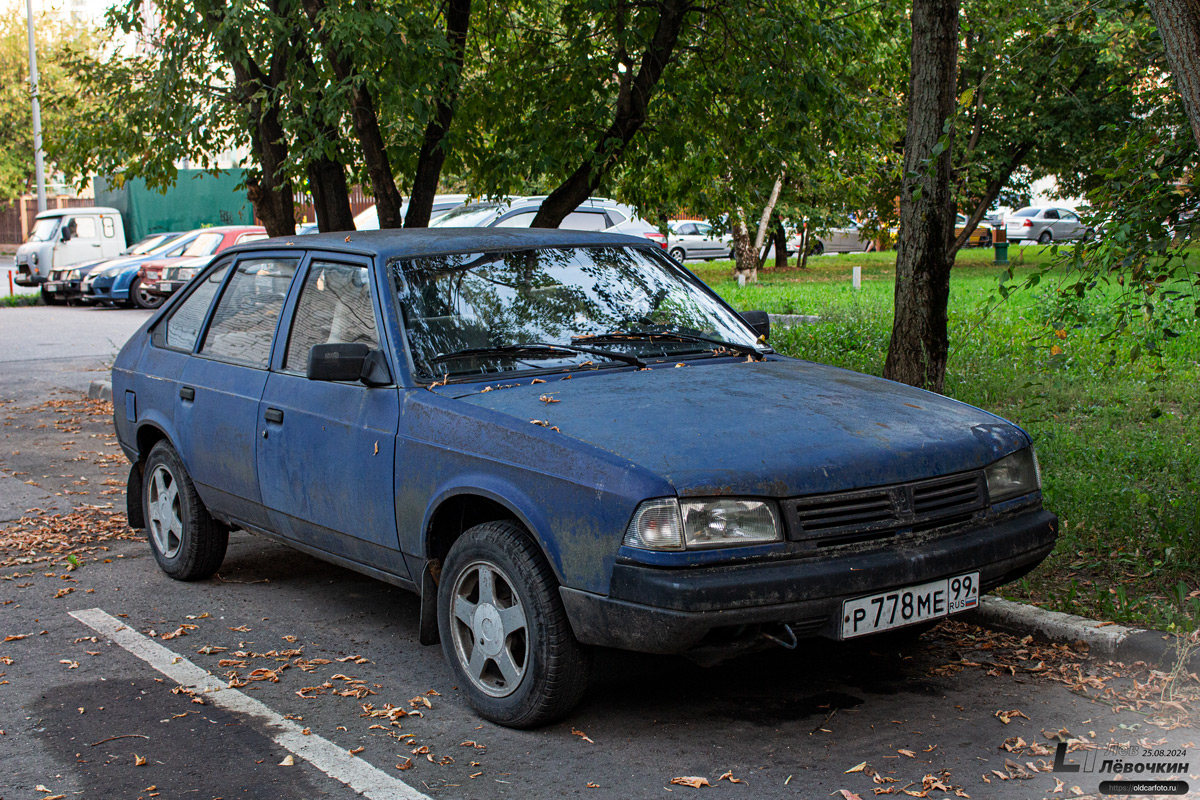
(542, 349)
(621, 336)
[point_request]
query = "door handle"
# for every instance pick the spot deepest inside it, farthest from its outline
(273, 415)
(187, 393)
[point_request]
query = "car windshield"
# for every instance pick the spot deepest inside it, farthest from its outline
(512, 311)
(472, 216)
(147, 244)
(1027, 212)
(203, 245)
(43, 229)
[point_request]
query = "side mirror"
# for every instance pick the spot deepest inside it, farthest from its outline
(759, 322)
(65, 233)
(348, 362)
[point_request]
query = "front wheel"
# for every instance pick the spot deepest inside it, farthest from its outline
(51, 299)
(816, 248)
(187, 543)
(142, 298)
(504, 630)
(985, 240)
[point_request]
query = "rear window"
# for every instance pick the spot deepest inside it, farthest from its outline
(1026, 212)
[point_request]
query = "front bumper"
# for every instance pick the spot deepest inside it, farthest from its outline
(656, 610)
(68, 290)
(164, 288)
(24, 277)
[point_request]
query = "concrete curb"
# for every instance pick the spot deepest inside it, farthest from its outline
(1106, 641)
(787, 320)
(100, 390)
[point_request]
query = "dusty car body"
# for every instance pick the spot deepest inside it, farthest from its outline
(541, 430)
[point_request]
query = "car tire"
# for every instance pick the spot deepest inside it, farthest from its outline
(678, 253)
(1089, 234)
(1045, 238)
(50, 299)
(510, 646)
(985, 240)
(140, 298)
(187, 543)
(816, 248)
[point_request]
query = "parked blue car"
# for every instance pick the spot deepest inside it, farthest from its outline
(113, 281)
(559, 440)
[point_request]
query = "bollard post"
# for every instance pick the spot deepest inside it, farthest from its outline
(1000, 243)
(856, 278)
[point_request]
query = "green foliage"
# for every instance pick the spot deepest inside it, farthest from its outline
(63, 50)
(1116, 438)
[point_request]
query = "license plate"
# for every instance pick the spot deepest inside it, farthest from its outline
(165, 286)
(53, 287)
(910, 605)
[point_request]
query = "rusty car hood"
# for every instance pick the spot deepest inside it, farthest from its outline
(778, 428)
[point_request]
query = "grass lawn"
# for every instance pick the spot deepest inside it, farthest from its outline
(1117, 439)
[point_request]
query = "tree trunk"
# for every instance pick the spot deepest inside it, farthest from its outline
(366, 125)
(990, 193)
(433, 148)
(919, 345)
(781, 254)
(331, 196)
(270, 191)
(745, 253)
(633, 104)
(804, 234)
(1178, 24)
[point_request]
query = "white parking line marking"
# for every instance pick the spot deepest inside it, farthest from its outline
(323, 754)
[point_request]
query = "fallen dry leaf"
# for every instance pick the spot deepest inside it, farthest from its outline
(856, 768)
(288, 761)
(848, 795)
(581, 735)
(908, 753)
(1008, 716)
(139, 761)
(695, 782)
(728, 776)
(406, 764)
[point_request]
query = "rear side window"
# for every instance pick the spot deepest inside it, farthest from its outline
(522, 220)
(243, 324)
(334, 308)
(184, 325)
(584, 221)
(1051, 214)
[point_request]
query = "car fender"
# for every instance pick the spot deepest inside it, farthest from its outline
(506, 494)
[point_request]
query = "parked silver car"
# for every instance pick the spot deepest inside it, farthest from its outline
(693, 238)
(1046, 224)
(848, 239)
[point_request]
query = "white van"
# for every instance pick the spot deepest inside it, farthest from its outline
(65, 236)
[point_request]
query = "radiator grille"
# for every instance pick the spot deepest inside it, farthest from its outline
(878, 514)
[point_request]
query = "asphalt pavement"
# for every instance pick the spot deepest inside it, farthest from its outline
(284, 676)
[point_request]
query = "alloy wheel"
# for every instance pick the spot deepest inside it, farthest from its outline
(163, 512)
(490, 629)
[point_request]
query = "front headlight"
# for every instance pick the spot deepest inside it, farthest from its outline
(1014, 475)
(700, 524)
(73, 275)
(185, 273)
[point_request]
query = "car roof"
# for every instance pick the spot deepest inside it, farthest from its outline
(65, 212)
(418, 242)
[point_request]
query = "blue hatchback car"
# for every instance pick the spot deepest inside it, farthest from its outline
(559, 440)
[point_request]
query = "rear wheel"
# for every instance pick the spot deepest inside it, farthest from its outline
(985, 240)
(186, 541)
(816, 248)
(679, 254)
(1045, 238)
(142, 298)
(504, 630)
